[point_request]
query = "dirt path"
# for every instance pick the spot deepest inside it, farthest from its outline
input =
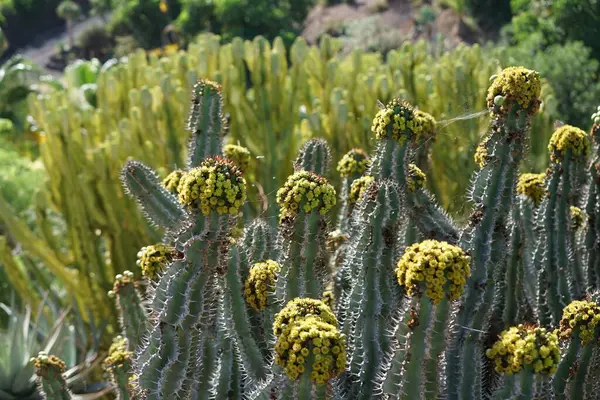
(41, 52)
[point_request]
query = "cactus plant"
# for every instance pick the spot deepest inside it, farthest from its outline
(415, 306)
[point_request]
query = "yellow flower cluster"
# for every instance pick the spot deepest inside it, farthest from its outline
(118, 355)
(260, 282)
(328, 297)
(43, 362)
(311, 345)
(171, 182)
(216, 185)
(532, 186)
(521, 345)
(238, 154)
(354, 162)
(397, 120)
(568, 137)
(416, 178)
(358, 188)
(515, 85)
(580, 315)
(577, 217)
(438, 266)
(427, 123)
(121, 280)
(481, 153)
(300, 308)
(153, 259)
(305, 191)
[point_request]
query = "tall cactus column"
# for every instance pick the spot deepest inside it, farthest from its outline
(592, 209)
(179, 355)
(49, 369)
(560, 278)
(304, 200)
(351, 167)
(513, 99)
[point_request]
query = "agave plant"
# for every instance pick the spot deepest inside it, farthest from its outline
(44, 330)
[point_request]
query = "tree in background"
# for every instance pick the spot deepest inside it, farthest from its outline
(69, 11)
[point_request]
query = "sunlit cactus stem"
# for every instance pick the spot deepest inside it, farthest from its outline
(49, 370)
(367, 269)
(314, 156)
(133, 315)
(591, 257)
(562, 278)
(206, 122)
(513, 99)
(304, 200)
(183, 307)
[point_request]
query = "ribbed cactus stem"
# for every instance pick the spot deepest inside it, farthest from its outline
(430, 219)
(436, 342)
(49, 370)
(237, 319)
(133, 315)
(569, 148)
(582, 376)
(498, 157)
(206, 122)
(227, 380)
(562, 376)
(160, 206)
(304, 200)
(314, 156)
(413, 385)
(592, 209)
(370, 269)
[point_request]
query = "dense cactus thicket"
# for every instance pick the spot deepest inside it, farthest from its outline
(396, 300)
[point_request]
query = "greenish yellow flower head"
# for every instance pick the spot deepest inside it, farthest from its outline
(118, 355)
(216, 185)
(121, 280)
(311, 345)
(577, 217)
(481, 153)
(416, 178)
(328, 297)
(300, 308)
(515, 85)
(44, 362)
(427, 123)
(238, 154)
(438, 268)
(532, 187)
(154, 259)
(171, 182)
(521, 346)
(358, 188)
(397, 120)
(566, 138)
(305, 191)
(260, 283)
(581, 318)
(355, 162)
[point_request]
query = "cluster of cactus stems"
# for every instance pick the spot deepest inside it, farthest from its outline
(394, 301)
